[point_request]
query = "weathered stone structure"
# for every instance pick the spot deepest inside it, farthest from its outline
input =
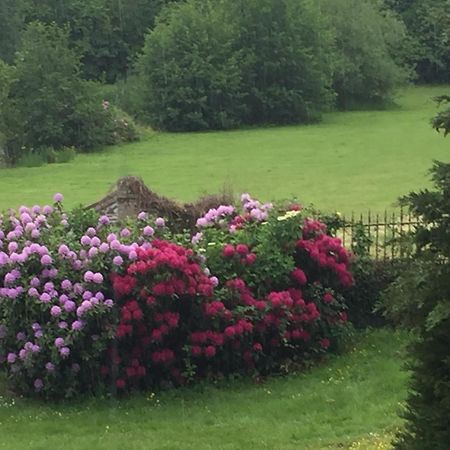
(131, 196)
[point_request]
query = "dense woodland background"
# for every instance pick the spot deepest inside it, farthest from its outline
(77, 74)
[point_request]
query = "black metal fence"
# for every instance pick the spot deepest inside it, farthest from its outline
(386, 236)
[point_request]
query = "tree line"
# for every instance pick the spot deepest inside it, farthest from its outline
(204, 64)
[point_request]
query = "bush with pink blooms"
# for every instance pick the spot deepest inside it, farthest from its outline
(281, 270)
(86, 305)
(57, 313)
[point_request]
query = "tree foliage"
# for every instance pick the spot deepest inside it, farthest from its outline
(46, 105)
(190, 69)
(11, 23)
(217, 64)
(420, 300)
(428, 22)
(287, 74)
(441, 122)
(368, 63)
(107, 33)
(224, 63)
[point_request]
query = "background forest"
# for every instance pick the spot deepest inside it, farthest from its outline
(76, 75)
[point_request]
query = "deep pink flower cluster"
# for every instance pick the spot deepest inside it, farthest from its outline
(171, 319)
(327, 252)
(281, 316)
(159, 288)
(240, 252)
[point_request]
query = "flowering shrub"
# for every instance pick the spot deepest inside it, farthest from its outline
(56, 308)
(161, 296)
(283, 273)
(85, 304)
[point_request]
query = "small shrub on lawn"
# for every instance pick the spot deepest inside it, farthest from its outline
(84, 303)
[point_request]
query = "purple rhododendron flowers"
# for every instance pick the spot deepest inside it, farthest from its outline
(115, 244)
(103, 247)
(45, 298)
(63, 250)
(148, 231)
(35, 282)
(97, 278)
(55, 311)
(85, 240)
(59, 342)
(33, 292)
(89, 276)
(91, 231)
(118, 260)
(104, 220)
(46, 260)
(64, 352)
(69, 306)
(196, 238)
(66, 285)
(214, 215)
(21, 336)
(77, 325)
(125, 232)
(160, 222)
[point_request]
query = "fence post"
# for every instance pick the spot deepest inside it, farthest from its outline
(385, 235)
(401, 232)
(344, 229)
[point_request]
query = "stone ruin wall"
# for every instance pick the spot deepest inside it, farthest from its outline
(130, 196)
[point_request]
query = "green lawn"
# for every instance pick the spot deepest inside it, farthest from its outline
(351, 161)
(349, 402)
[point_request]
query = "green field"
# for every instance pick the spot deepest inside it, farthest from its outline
(351, 161)
(350, 402)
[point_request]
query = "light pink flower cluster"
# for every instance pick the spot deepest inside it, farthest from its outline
(215, 215)
(257, 211)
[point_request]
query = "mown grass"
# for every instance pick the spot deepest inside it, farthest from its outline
(351, 161)
(351, 401)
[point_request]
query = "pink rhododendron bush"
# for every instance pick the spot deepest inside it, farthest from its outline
(88, 306)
